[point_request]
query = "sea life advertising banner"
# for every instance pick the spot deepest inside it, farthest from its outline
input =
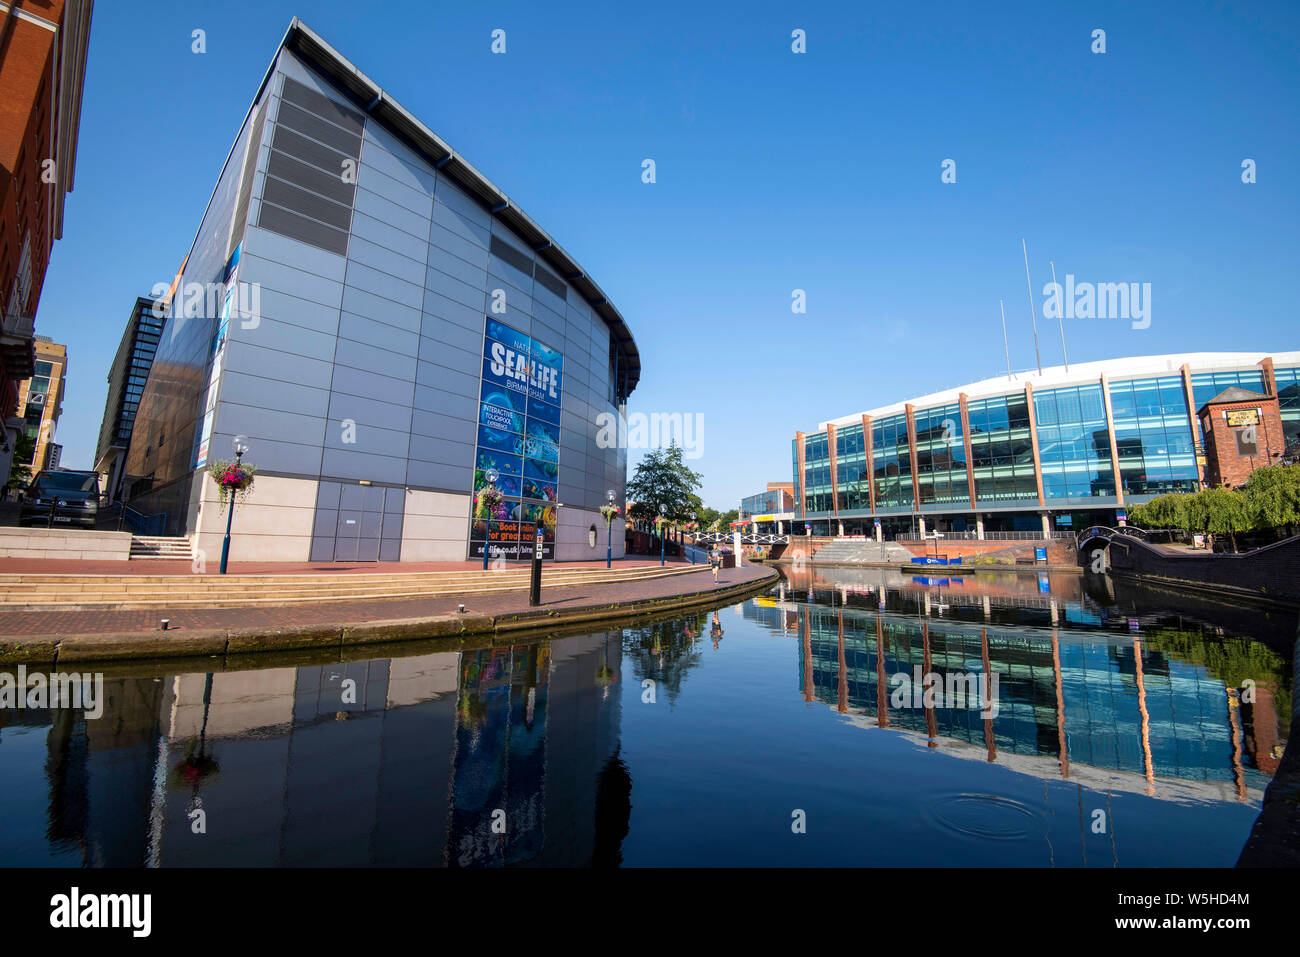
(519, 436)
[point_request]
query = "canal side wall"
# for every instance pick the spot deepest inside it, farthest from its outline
(1270, 574)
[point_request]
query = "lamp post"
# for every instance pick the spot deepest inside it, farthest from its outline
(240, 445)
(692, 539)
(491, 476)
(609, 525)
(663, 512)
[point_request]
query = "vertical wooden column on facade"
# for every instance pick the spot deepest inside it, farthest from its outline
(869, 448)
(835, 486)
(798, 452)
(1198, 445)
(1114, 447)
(1033, 442)
(1270, 380)
(911, 455)
(965, 440)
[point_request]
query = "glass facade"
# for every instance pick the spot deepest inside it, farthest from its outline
(764, 503)
(1153, 436)
(851, 473)
(891, 463)
(1288, 400)
(1074, 443)
(1002, 453)
(941, 475)
(1149, 421)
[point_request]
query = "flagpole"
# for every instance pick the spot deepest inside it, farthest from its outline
(1060, 313)
(1033, 317)
(1003, 307)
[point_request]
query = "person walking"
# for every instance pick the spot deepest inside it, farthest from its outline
(715, 562)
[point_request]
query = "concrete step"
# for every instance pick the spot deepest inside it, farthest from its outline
(161, 546)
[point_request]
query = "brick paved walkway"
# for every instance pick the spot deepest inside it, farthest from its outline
(17, 624)
(154, 566)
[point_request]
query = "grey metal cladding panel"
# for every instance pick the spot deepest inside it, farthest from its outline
(553, 320)
(451, 357)
(449, 224)
(553, 284)
(454, 266)
(454, 478)
(387, 261)
(301, 228)
(275, 248)
(306, 203)
(463, 293)
(298, 93)
(364, 411)
(428, 449)
(386, 155)
(342, 463)
(372, 230)
(368, 304)
(367, 279)
(572, 424)
(304, 313)
(436, 333)
(442, 402)
(440, 309)
(457, 200)
(323, 523)
(379, 334)
(369, 439)
(273, 456)
(438, 426)
(327, 495)
(547, 334)
(309, 177)
(372, 385)
(275, 393)
(260, 422)
(358, 355)
(504, 271)
(286, 278)
(440, 377)
(267, 363)
(417, 201)
(273, 334)
(301, 121)
(395, 215)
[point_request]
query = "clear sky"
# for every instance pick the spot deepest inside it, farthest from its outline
(775, 171)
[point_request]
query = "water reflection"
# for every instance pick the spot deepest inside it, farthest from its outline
(687, 741)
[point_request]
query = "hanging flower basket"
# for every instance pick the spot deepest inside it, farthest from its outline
(609, 512)
(663, 523)
(233, 479)
(488, 502)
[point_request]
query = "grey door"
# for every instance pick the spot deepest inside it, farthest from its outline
(357, 523)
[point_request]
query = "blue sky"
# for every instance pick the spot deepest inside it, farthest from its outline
(775, 171)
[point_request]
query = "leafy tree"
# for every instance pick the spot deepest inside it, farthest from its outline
(20, 474)
(663, 478)
(1167, 511)
(1219, 511)
(1273, 496)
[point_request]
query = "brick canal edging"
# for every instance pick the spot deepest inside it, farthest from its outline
(502, 615)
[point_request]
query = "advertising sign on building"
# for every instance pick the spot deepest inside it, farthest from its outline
(519, 436)
(1240, 417)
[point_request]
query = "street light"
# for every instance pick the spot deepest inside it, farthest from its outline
(491, 476)
(663, 512)
(609, 525)
(692, 539)
(240, 444)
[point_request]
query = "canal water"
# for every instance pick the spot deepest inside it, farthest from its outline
(1069, 723)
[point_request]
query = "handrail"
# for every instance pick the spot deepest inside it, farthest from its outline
(138, 522)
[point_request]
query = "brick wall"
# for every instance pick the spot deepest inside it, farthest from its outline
(1227, 462)
(1268, 572)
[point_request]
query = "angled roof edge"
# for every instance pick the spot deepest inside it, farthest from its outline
(373, 101)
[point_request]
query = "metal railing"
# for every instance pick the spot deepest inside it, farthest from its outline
(137, 522)
(968, 536)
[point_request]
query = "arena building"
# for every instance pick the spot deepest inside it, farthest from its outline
(1049, 452)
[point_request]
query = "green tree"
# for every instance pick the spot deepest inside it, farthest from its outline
(1219, 511)
(20, 471)
(663, 478)
(1273, 496)
(1167, 511)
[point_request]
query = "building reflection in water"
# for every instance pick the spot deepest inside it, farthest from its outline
(1158, 710)
(402, 761)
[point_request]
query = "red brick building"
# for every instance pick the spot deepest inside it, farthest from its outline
(42, 68)
(1243, 432)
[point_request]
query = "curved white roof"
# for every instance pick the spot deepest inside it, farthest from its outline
(1079, 373)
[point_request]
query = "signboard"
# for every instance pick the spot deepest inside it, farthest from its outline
(1240, 417)
(520, 397)
(1040, 554)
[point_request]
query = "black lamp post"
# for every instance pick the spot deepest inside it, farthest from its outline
(491, 476)
(663, 512)
(240, 446)
(692, 545)
(609, 525)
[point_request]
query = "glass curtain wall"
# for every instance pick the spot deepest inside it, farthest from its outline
(1153, 436)
(1074, 443)
(941, 456)
(892, 463)
(851, 469)
(1002, 453)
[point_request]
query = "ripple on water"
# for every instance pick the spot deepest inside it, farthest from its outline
(986, 816)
